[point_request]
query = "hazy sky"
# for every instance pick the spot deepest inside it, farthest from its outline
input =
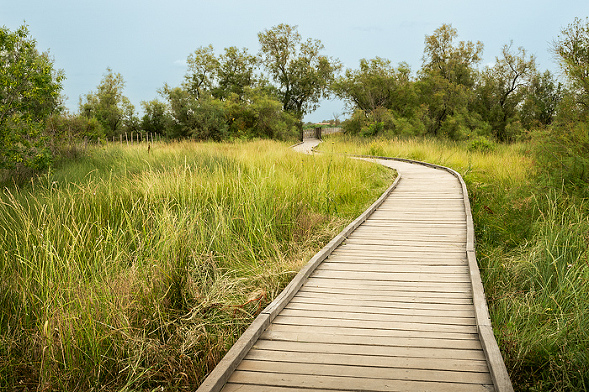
(148, 41)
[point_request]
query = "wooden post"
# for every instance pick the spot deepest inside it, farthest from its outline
(318, 133)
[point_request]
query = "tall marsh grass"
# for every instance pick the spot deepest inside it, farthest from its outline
(129, 270)
(532, 248)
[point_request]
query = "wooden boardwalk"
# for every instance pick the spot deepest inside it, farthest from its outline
(389, 306)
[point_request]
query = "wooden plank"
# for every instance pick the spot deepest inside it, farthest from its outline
(421, 319)
(267, 388)
(391, 285)
(468, 365)
(403, 236)
(365, 265)
(346, 330)
(406, 239)
(350, 383)
(411, 325)
(359, 288)
(391, 276)
(417, 255)
(422, 218)
(408, 259)
(388, 229)
(424, 251)
(390, 296)
(412, 225)
(380, 302)
(432, 234)
(394, 295)
(391, 243)
(376, 309)
(376, 351)
(374, 373)
(390, 341)
(434, 211)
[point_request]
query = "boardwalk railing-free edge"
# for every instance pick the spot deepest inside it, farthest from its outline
(495, 361)
(502, 383)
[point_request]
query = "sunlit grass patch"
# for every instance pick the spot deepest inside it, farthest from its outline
(131, 269)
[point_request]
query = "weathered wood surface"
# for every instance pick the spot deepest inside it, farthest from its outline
(389, 307)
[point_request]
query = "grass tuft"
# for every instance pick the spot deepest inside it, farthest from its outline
(133, 271)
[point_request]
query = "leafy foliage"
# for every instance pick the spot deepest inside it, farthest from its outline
(156, 118)
(29, 93)
(108, 105)
(296, 66)
(377, 84)
(502, 89)
(572, 50)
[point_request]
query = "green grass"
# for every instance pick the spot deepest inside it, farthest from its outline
(532, 247)
(133, 271)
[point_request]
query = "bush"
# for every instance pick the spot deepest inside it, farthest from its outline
(562, 153)
(481, 144)
(355, 123)
(259, 116)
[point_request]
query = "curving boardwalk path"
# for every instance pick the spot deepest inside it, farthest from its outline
(389, 306)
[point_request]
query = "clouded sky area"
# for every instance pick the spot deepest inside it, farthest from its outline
(148, 41)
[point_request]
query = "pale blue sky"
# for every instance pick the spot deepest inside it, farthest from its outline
(147, 41)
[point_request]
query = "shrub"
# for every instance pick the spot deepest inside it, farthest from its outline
(481, 144)
(355, 123)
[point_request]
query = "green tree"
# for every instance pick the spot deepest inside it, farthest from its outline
(446, 81)
(203, 68)
(236, 73)
(202, 119)
(108, 105)
(377, 84)
(29, 93)
(155, 118)
(572, 51)
(182, 106)
(302, 75)
(542, 98)
(259, 115)
(503, 88)
(220, 76)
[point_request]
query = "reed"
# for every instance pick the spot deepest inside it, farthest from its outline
(129, 270)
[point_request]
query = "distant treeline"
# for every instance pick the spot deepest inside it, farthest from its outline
(236, 94)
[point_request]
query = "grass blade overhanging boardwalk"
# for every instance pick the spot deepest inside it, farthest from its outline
(395, 304)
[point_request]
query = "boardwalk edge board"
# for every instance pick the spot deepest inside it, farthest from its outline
(497, 368)
(221, 373)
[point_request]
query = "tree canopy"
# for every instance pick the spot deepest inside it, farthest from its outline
(572, 50)
(108, 105)
(30, 91)
(302, 74)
